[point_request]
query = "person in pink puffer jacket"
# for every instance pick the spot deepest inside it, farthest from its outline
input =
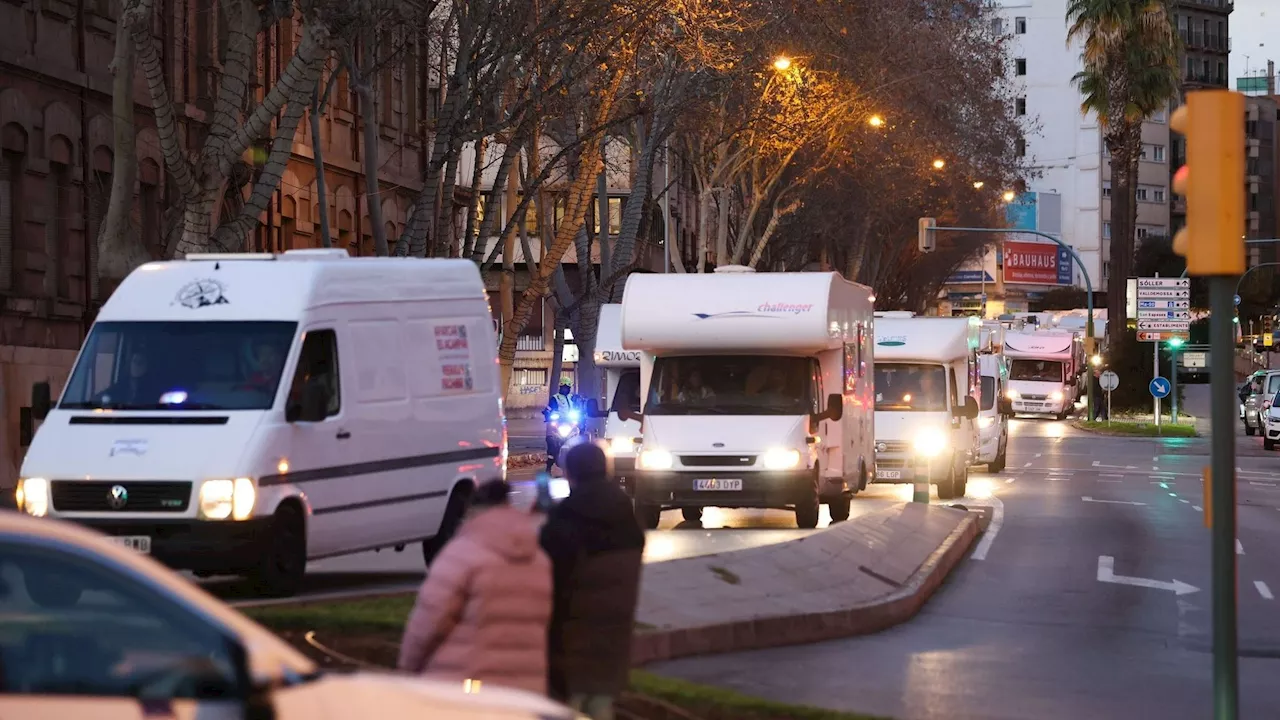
(483, 611)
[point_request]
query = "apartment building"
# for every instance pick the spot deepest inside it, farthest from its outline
(1203, 27)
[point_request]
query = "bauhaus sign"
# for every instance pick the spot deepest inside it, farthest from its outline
(1036, 263)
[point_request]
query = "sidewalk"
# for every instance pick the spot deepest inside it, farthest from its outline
(855, 578)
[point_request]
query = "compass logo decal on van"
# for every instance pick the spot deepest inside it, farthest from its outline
(892, 341)
(202, 293)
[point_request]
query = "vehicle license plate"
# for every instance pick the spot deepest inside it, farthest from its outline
(140, 543)
(717, 484)
(888, 474)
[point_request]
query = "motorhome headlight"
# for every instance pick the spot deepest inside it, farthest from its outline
(986, 421)
(32, 496)
(564, 430)
(622, 445)
(781, 459)
(930, 442)
(1056, 395)
(655, 459)
(1012, 394)
(222, 499)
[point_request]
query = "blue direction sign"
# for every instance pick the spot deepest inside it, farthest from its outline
(1159, 387)
(1237, 299)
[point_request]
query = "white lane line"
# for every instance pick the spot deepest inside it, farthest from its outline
(1097, 463)
(1009, 481)
(993, 529)
(1086, 498)
(1109, 481)
(1110, 475)
(1239, 547)
(1027, 465)
(1263, 590)
(1263, 484)
(1197, 508)
(1039, 454)
(1155, 459)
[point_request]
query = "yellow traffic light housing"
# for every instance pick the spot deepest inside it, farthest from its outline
(1213, 182)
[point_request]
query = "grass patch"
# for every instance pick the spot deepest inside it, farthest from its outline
(385, 614)
(1140, 428)
(710, 703)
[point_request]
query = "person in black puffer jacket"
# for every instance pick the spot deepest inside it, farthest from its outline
(596, 548)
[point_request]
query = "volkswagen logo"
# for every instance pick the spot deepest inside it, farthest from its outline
(118, 497)
(881, 447)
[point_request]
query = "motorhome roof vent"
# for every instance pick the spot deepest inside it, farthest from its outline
(218, 257)
(735, 269)
(314, 254)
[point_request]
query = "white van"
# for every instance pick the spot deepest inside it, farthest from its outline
(926, 401)
(621, 410)
(993, 412)
(1043, 372)
(243, 414)
(757, 391)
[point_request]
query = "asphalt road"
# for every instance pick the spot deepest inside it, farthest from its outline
(1038, 623)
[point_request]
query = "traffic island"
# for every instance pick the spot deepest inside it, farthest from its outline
(855, 578)
(1139, 427)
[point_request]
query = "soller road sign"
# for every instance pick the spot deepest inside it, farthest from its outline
(1159, 387)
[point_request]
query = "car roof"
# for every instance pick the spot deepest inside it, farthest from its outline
(265, 646)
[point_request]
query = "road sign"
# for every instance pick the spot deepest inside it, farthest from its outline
(1164, 315)
(1159, 387)
(1161, 336)
(1163, 294)
(1109, 381)
(1174, 325)
(1164, 305)
(1145, 283)
(1195, 359)
(1237, 300)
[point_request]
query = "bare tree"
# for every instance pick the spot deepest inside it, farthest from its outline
(120, 247)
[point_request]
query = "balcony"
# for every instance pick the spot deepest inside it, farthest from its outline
(1199, 40)
(1223, 6)
(1199, 77)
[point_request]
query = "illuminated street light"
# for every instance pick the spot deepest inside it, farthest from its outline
(939, 164)
(1009, 195)
(782, 63)
(978, 185)
(875, 121)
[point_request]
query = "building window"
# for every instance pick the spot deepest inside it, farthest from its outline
(1157, 116)
(997, 26)
(1020, 147)
(1020, 106)
(1157, 153)
(529, 376)
(1141, 194)
(1020, 26)
(1020, 66)
(1158, 195)
(1106, 189)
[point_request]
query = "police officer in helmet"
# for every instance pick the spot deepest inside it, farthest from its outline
(561, 402)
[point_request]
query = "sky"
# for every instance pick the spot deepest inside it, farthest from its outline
(1255, 32)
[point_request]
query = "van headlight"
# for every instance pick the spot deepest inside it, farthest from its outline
(781, 459)
(986, 421)
(1012, 394)
(222, 499)
(32, 496)
(930, 443)
(1056, 395)
(656, 459)
(622, 445)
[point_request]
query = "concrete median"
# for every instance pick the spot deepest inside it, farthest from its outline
(854, 578)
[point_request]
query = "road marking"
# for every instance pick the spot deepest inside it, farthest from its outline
(1106, 573)
(1009, 481)
(1109, 481)
(1110, 475)
(1039, 454)
(1239, 547)
(1197, 508)
(1086, 498)
(1181, 500)
(1027, 465)
(993, 529)
(1155, 458)
(1263, 484)
(1263, 590)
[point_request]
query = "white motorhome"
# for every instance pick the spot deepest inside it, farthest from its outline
(926, 401)
(243, 414)
(757, 391)
(1044, 372)
(621, 411)
(993, 412)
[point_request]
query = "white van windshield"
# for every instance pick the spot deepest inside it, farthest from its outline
(732, 385)
(911, 387)
(1036, 370)
(179, 366)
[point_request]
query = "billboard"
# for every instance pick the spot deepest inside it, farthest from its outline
(1036, 263)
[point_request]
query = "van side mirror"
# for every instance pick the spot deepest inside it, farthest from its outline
(967, 411)
(625, 413)
(593, 409)
(1005, 405)
(834, 409)
(311, 405)
(41, 400)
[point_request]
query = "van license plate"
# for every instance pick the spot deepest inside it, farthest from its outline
(888, 474)
(714, 484)
(140, 543)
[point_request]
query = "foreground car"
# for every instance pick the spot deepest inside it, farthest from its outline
(93, 629)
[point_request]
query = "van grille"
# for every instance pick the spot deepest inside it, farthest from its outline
(891, 446)
(717, 460)
(1035, 397)
(139, 496)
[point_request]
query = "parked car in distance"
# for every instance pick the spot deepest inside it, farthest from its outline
(92, 628)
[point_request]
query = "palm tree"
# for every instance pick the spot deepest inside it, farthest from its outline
(1130, 73)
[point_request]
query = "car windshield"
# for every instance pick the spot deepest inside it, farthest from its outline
(988, 392)
(179, 365)
(627, 394)
(910, 387)
(1036, 370)
(731, 385)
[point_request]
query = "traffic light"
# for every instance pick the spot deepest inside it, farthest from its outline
(1213, 182)
(1175, 343)
(927, 241)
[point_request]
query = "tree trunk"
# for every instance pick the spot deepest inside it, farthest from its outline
(442, 237)
(510, 154)
(120, 248)
(1123, 192)
(318, 100)
(776, 217)
(641, 181)
(473, 203)
(557, 354)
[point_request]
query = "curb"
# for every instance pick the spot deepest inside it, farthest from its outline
(781, 630)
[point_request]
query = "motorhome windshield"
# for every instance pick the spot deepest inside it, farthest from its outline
(1036, 370)
(627, 395)
(988, 392)
(732, 385)
(910, 387)
(179, 366)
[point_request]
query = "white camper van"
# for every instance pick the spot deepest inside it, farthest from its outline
(926, 401)
(621, 411)
(757, 391)
(243, 414)
(1043, 372)
(993, 412)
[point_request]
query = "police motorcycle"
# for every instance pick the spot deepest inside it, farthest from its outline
(564, 424)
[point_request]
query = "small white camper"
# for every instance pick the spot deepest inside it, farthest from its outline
(1044, 372)
(621, 410)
